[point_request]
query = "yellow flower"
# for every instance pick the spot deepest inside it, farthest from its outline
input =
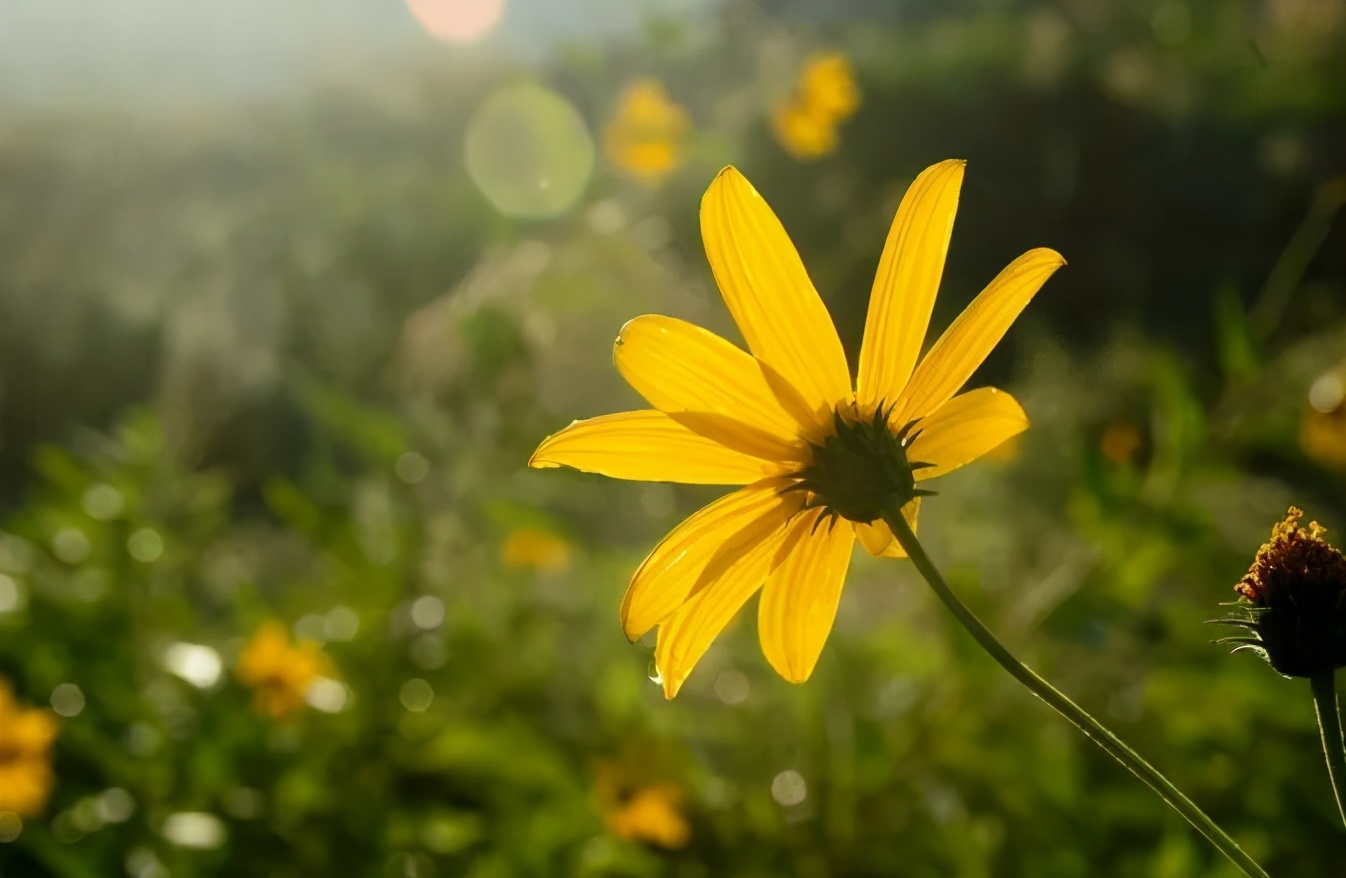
(821, 460)
(1323, 436)
(824, 97)
(536, 549)
(645, 135)
(650, 813)
(804, 134)
(26, 736)
(827, 86)
(279, 672)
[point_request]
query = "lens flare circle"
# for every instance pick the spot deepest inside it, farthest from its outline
(457, 21)
(529, 151)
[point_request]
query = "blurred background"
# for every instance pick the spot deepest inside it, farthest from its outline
(290, 289)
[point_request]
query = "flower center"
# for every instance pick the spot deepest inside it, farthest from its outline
(861, 471)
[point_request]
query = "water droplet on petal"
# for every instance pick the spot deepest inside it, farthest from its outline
(654, 675)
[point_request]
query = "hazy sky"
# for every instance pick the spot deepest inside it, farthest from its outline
(55, 52)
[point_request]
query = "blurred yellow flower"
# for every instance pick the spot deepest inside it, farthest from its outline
(827, 85)
(646, 134)
(804, 134)
(650, 813)
(279, 672)
(1120, 441)
(536, 549)
(1322, 435)
(825, 95)
(26, 736)
(822, 460)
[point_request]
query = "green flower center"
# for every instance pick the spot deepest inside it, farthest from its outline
(861, 471)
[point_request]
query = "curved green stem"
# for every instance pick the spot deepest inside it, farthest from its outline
(1329, 724)
(1092, 728)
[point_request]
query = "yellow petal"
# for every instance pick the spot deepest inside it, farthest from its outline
(769, 293)
(680, 367)
(682, 562)
(907, 282)
(965, 344)
(799, 601)
(965, 428)
(684, 636)
(649, 446)
(878, 539)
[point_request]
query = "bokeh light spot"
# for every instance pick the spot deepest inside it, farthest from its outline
(416, 695)
(67, 700)
(341, 623)
(788, 788)
(411, 467)
(529, 152)
(142, 863)
(145, 545)
(457, 21)
(194, 829)
(427, 611)
(1327, 392)
(244, 803)
(10, 598)
(197, 664)
(115, 805)
(70, 545)
(10, 826)
(103, 502)
(732, 687)
(329, 696)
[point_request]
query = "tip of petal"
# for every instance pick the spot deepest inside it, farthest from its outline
(1047, 254)
(672, 687)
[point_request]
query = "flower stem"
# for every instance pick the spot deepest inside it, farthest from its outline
(1329, 724)
(1092, 728)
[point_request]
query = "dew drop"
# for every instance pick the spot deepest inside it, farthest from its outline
(654, 675)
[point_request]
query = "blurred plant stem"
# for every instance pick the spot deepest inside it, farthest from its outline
(1329, 723)
(1082, 720)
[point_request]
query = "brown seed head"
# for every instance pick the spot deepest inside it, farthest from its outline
(1295, 600)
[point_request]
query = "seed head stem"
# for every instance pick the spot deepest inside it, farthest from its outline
(1329, 725)
(1081, 719)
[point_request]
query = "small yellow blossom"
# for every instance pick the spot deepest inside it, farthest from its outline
(819, 461)
(536, 549)
(650, 813)
(26, 736)
(825, 95)
(279, 672)
(646, 135)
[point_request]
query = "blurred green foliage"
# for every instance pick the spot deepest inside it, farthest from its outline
(287, 363)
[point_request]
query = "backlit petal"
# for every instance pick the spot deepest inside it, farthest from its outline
(965, 428)
(769, 293)
(975, 334)
(649, 446)
(680, 367)
(682, 562)
(799, 600)
(906, 283)
(879, 541)
(685, 636)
